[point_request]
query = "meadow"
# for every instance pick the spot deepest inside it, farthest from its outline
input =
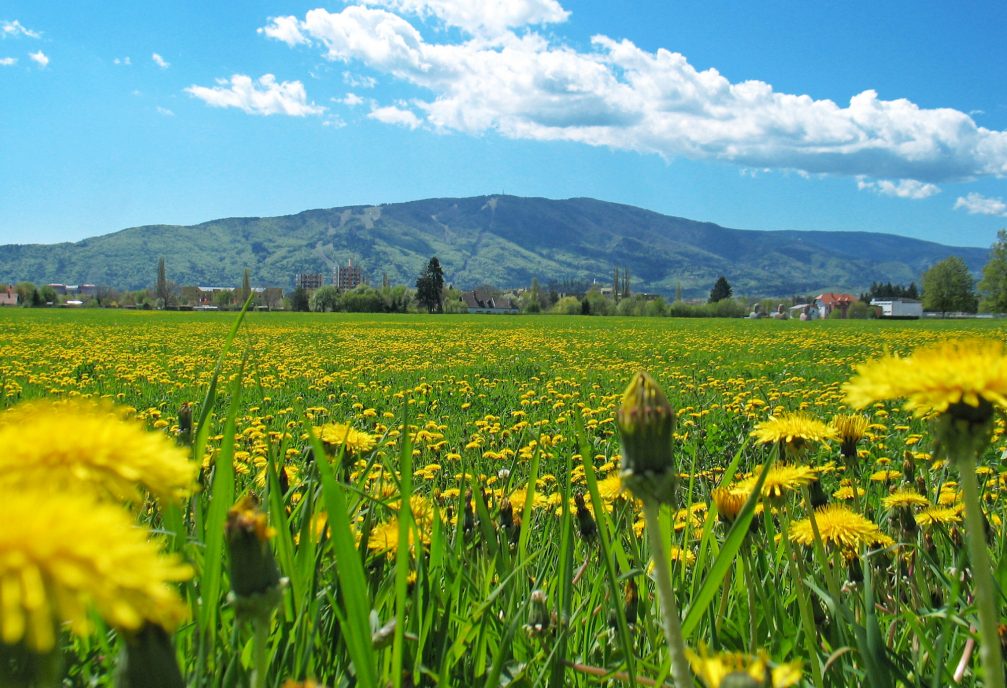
(519, 561)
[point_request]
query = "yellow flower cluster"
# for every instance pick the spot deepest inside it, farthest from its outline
(68, 546)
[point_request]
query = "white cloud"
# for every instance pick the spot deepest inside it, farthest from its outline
(39, 58)
(481, 17)
(165, 111)
(8, 61)
(352, 100)
(263, 97)
(620, 96)
(14, 28)
(284, 29)
(395, 115)
(977, 204)
(358, 81)
(124, 61)
(159, 61)
(901, 188)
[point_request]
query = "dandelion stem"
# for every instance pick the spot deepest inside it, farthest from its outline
(803, 601)
(746, 564)
(261, 628)
(982, 579)
(672, 625)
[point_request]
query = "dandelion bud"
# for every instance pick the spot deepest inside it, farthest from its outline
(255, 579)
(506, 514)
(539, 618)
(646, 423)
(148, 661)
(739, 679)
(818, 496)
(964, 430)
(585, 521)
(185, 424)
(632, 602)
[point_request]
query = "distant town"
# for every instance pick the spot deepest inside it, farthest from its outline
(347, 289)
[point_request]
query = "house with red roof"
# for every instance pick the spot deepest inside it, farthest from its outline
(831, 301)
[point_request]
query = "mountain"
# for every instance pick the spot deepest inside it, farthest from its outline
(501, 240)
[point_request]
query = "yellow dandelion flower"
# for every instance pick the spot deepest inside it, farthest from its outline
(610, 488)
(934, 378)
(63, 555)
(797, 432)
(384, 537)
(729, 503)
(780, 480)
(840, 527)
(336, 435)
(850, 428)
(73, 444)
(905, 498)
(716, 670)
(939, 515)
(844, 493)
(885, 476)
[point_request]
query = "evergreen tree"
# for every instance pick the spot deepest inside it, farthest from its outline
(246, 288)
(948, 286)
(162, 291)
(430, 287)
(721, 290)
(993, 285)
(299, 300)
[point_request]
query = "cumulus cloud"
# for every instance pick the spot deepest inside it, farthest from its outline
(14, 28)
(159, 61)
(352, 100)
(39, 58)
(165, 111)
(358, 81)
(395, 115)
(481, 17)
(122, 61)
(522, 85)
(8, 61)
(283, 29)
(901, 188)
(266, 96)
(977, 204)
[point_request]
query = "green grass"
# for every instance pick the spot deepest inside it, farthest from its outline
(502, 404)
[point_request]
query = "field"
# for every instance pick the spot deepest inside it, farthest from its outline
(520, 561)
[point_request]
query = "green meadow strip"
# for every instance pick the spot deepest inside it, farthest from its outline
(608, 556)
(402, 553)
(350, 571)
(732, 544)
(221, 500)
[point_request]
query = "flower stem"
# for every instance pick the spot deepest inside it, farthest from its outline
(982, 577)
(803, 601)
(746, 564)
(672, 625)
(261, 628)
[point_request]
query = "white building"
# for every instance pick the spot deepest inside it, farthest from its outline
(899, 308)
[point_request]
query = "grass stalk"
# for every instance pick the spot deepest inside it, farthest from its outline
(982, 577)
(662, 573)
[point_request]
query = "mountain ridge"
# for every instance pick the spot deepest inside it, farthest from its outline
(498, 239)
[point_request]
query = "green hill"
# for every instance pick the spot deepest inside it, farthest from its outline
(499, 240)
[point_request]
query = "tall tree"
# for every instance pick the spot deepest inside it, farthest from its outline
(299, 299)
(161, 290)
(246, 288)
(993, 285)
(721, 290)
(948, 286)
(430, 287)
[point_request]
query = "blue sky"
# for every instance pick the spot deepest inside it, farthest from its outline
(870, 116)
